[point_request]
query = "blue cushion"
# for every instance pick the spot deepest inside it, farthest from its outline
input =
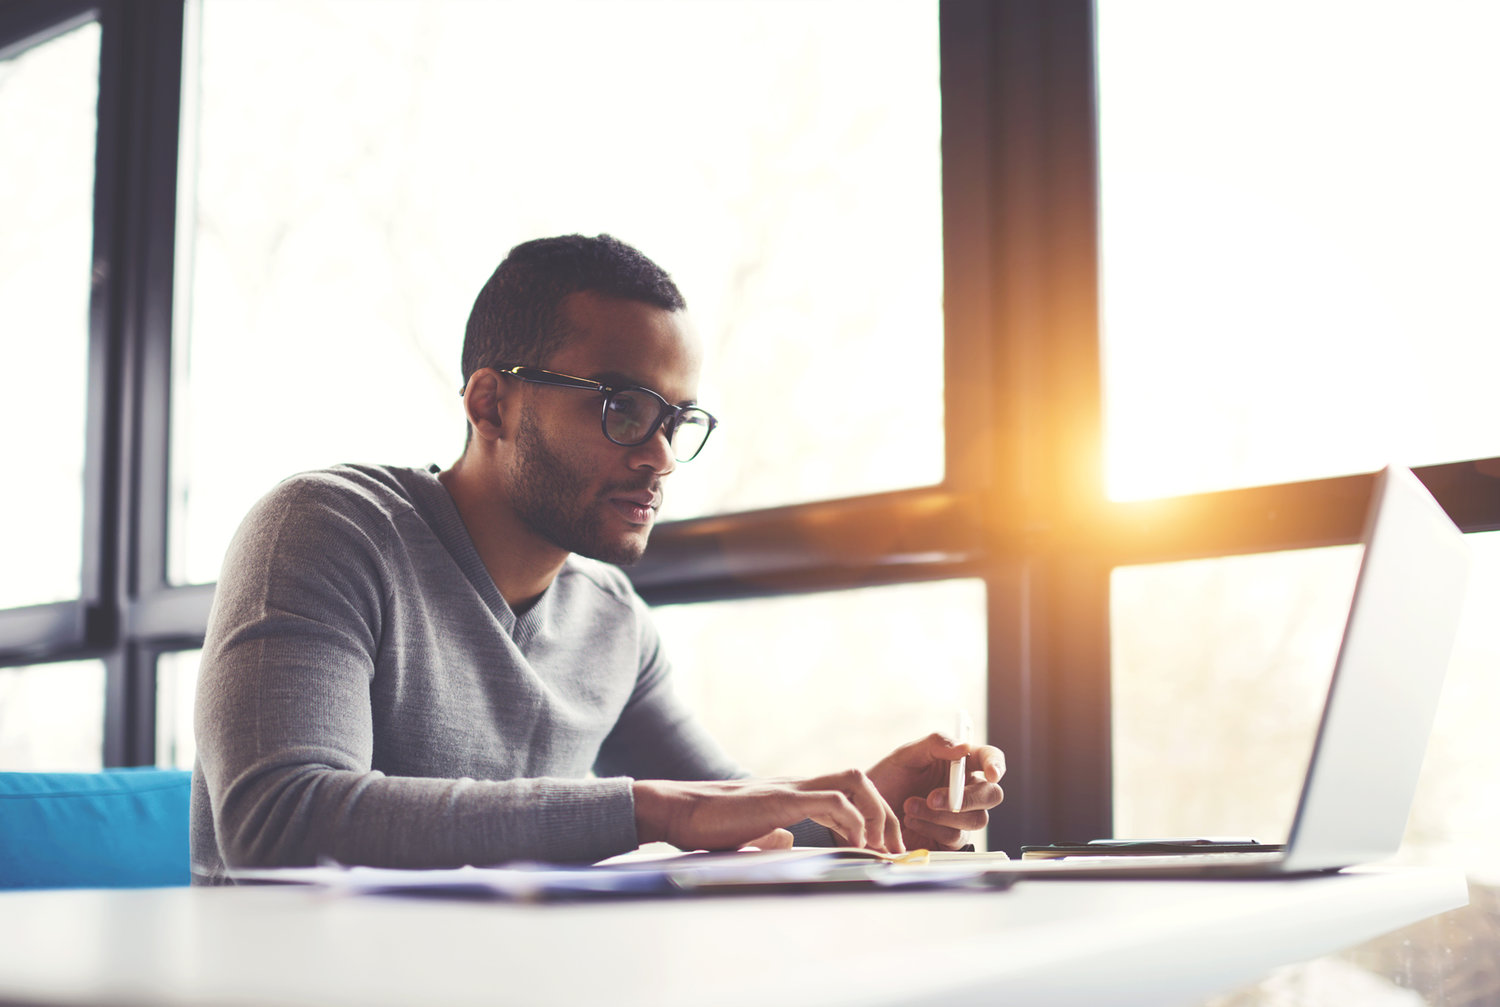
(122, 828)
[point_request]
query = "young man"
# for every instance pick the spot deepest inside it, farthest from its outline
(413, 669)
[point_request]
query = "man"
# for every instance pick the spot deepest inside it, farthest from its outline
(413, 669)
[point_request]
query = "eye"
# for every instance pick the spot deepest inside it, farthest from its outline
(628, 415)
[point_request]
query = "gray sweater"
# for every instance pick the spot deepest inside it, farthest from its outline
(366, 695)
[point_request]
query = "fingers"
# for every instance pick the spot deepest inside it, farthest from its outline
(988, 760)
(930, 817)
(880, 827)
(933, 836)
(838, 814)
(728, 814)
(893, 841)
(968, 820)
(939, 747)
(943, 829)
(980, 794)
(985, 759)
(936, 747)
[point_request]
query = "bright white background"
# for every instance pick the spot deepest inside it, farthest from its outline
(1299, 214)
(48, 96)
(354, 172)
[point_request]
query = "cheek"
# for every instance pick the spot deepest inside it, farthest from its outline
(573, 455)
(577, 468)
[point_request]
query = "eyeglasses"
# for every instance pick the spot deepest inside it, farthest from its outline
(631, 416)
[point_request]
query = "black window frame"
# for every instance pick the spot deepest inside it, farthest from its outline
(1022, 505)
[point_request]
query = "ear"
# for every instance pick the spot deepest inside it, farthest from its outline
(486, 404)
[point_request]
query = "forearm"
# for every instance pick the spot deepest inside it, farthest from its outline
(301, 814)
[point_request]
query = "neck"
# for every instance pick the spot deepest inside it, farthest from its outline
(521, 565)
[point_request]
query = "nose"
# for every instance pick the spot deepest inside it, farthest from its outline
(655, 454)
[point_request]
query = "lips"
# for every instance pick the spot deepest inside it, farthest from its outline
(636, 506)
(644, 498)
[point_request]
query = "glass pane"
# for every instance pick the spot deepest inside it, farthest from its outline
(1456, 818)
(52, 717)
(176, 680)
(813, 683)
(1220, 670)
(1455, 822)
(48, 99)
(353, 172)
(1298, 239)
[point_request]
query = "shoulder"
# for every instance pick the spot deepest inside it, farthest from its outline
(377, 494)
(355, 487)
(341, 503)
(604, 583)
(329, 533)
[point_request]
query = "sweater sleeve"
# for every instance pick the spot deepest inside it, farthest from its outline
(285, 727)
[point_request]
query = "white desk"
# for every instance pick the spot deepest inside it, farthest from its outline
(1093, 943)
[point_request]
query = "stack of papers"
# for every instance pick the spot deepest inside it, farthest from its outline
(744, 871)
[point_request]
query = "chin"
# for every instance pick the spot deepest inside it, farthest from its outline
(621, 552)
(630, 552)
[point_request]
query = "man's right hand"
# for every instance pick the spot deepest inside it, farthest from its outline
(728, 814)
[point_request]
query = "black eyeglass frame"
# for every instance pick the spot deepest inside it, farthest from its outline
(667, 413)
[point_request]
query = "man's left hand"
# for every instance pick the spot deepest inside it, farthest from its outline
(914, 781)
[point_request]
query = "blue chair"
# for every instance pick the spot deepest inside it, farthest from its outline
(121, 828)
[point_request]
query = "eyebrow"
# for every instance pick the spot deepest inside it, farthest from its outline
(616, 379)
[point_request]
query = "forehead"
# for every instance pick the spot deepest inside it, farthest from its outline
(633, 342)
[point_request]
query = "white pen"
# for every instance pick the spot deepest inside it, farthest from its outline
(958, 768)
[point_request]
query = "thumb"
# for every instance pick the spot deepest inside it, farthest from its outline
(936, 747)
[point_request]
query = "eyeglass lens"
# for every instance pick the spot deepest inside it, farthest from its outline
(630, 416)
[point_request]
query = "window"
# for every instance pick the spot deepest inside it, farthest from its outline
(351, 173)
(924, 421)
(176, 681)
(1298, 250)
(1456, 817)
(347, 175)
(1220, 670)
(1454, 821)
(816, 683)
(1294, 253)
(47, 97)
(52, 717)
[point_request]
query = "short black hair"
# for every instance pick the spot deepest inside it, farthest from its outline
(516, 317)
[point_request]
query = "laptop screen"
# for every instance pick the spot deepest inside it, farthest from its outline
(1386, 682)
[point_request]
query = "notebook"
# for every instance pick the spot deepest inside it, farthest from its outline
(1378, 715)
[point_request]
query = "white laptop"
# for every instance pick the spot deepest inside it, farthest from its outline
(1378, 716)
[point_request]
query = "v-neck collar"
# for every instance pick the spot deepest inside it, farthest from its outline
(442, 515)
